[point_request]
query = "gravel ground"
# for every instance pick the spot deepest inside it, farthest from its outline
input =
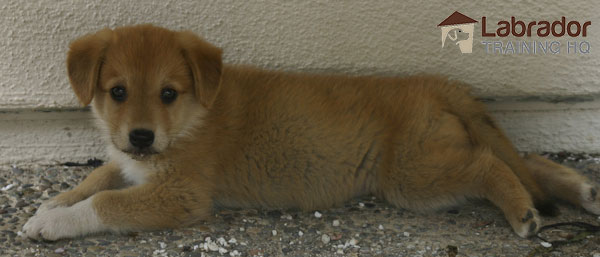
(363, 227)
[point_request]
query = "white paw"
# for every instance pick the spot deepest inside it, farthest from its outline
(590, 198)
(63, 222)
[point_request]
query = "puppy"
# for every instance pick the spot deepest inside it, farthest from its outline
(186, 133)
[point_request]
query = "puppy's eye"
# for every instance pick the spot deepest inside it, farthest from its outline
(118, 93)
(168, 95)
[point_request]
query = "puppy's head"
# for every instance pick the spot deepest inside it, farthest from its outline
(149, 86)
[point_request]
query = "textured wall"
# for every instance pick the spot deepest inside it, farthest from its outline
(385, 37)
(389, 37)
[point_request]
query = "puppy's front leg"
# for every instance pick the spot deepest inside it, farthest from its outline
(102, 178)
(145, 207)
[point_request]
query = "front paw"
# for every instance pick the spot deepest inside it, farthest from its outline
(63, 222)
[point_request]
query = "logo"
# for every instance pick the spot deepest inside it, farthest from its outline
(515, 36)
(457, 33)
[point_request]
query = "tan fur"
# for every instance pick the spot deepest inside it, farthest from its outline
(243, 137)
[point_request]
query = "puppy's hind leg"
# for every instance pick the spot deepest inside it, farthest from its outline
(564, 183)
(503, 188)
(437, 183)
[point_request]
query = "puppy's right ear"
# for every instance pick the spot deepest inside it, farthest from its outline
(84, 61)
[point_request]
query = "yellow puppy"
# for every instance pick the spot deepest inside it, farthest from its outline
(186, 133)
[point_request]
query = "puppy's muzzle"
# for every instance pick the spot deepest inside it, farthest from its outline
(141, 138)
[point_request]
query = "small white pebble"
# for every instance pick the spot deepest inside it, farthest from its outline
(222, 241)
(222, 250)
(162, 245)
(546, 244)
(274, 232)
(59, 250)
(406, 234)
(300, 233)
(336, 223)
(318, 215)
(353, 242)
(596, 255)
(340, 251)
(244, 243)
(179, 246)
(325, 238)
(19, 233)
(242, 229)
(8, 187)
(235, 253)
(232, 241)
(361, 205)
(287, 217)
(212, 246)
(208, 239)
(380, 227)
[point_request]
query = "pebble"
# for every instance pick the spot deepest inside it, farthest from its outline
(222, 241)
(353, 242)
(336, 223)
(274, 232)
(546, 244)
(596, 255)
(59, 250)
(380, 227)
(406, 234)
(17, 170)
(318, 215)
(300, 233)
(212, 246)
(325, 238)
(20, 204)
(8, 187)
(64, 185)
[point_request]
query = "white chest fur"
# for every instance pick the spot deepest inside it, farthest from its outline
(133, 171)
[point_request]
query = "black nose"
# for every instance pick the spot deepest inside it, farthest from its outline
(141, 138)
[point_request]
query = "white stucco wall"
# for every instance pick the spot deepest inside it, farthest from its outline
(357, 37)
(389, 36)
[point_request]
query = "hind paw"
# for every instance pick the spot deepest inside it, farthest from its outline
(527, 224)
(590, 199)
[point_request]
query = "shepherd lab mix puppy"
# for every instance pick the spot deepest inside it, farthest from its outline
(187, 134)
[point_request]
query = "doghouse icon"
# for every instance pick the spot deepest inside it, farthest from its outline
(457, 32)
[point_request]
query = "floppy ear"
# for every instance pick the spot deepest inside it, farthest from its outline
(84, 61)
(205, 63)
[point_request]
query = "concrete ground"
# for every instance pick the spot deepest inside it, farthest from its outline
(363, 227)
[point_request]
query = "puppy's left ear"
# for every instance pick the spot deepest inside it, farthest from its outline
(205, 63)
